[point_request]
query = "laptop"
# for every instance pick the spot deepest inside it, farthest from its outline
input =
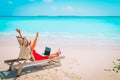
(47, 51)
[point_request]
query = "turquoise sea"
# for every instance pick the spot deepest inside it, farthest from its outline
(62, 24)
(67, 27)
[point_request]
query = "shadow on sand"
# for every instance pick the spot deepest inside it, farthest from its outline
(28, 69)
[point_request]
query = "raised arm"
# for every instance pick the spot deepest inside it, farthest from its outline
(34, 42)
(19, 32)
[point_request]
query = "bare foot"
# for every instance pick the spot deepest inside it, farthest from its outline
(58, 52)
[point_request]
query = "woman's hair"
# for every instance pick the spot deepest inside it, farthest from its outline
(26, 42)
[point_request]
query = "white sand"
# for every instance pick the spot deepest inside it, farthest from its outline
(83, 60)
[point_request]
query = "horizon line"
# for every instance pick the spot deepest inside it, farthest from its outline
(59, 16)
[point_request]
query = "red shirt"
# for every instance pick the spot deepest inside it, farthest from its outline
(37, 56)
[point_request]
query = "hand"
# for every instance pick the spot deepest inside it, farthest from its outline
(30, 42)
(18, 30)
(37, 34)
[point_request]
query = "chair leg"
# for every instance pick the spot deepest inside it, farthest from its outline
(59, 62)
(50, 62)
(19, 71)
(10, 67)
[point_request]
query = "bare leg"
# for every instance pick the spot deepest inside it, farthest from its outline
(34, 42)
(55, 54)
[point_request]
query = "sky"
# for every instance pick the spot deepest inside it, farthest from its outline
(59, 7)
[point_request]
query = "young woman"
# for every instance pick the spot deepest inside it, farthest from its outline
(35, 55)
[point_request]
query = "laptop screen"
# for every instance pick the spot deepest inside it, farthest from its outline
(47, 51)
